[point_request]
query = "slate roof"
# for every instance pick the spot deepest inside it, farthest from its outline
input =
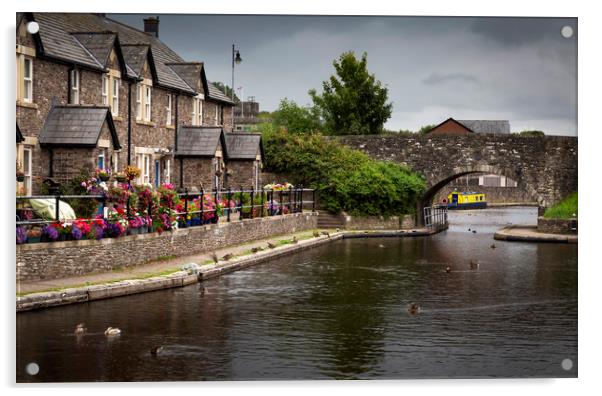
(200, 141)
(78, 126)
(487, 126)
(244, 146)
(99, 44)
(189, 72)
(215, 94)
(135, 55)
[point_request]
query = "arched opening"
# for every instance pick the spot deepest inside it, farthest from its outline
(455, 173)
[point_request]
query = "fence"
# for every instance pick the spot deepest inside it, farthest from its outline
(435, 217)
(243, 202)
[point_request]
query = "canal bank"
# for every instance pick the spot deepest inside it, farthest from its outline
(531, 234)
(182, 271)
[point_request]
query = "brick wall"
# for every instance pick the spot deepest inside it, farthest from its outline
(449, 128)
(71, 258)
(198, 172)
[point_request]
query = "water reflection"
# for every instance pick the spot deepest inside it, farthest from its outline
(337, 311)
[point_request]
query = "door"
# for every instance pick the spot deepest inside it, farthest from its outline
(157, 173)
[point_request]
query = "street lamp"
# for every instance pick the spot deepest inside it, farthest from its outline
(236, 59)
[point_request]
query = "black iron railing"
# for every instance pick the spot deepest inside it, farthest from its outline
(435, 217)
(248, 203)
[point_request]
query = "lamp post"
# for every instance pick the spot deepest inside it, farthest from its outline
(236, 59)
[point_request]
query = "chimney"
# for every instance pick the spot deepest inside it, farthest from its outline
(151, 26)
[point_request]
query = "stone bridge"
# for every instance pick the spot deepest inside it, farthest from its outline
(545, 167)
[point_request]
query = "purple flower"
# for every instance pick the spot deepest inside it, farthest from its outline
(76, 233)
(21, 235)
(50, 232)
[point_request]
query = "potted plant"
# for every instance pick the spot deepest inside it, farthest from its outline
(131, 172)
(49, 234)
(20, 174)
(21, 235)
(103, 174)
(34, 235)
(121, 177)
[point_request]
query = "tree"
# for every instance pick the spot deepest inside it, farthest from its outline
(353, 101)
(226, 90)
(426, 129)
(531, 133)
(296, 119)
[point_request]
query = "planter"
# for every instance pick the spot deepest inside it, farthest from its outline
(35, 239)
(104, 178)
(133, 231)
(195, 222)
(214, 220)
(21, 178)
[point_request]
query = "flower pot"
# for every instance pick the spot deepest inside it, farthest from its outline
(133, 231)
(62, 237)
(104, 177)
(21, 178)
(195, 221)
(35, 239)
(214, 219)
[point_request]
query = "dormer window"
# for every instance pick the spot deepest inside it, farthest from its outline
(74, 81)
(197, 111)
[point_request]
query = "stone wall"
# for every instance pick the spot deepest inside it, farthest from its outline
(71, 258)
(545, 167)
(557, 226)
(242, 173)
(379, 223)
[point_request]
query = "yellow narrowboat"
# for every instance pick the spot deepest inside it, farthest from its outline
(465, 200)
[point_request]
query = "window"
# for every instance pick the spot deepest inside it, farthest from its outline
(27, 169)
(197, 111)
(105, 90)
(216, 114)
(101, 161)
(27, 79)
(143, 162)
(147, 103)
(256, 172)
(115, 158)
(168, 110)
(74, 86)
(138, 102)
(115, 96)
(216, 171)
(167, 174)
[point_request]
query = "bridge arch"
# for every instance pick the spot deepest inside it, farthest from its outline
(435, 186)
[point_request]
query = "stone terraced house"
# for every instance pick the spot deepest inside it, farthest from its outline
(93, 92)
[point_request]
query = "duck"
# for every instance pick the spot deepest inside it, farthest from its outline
(381, 246)
(156, 350)
(256, 249)
(326, 233)
(338, 229)
(413, 309)
(227, 256)
(203, 291)
(214, 257)
(80, 329)
(474, 264)
(316, 234)
(111, 331)
(469, 230)
(448, 269)
(271, 245)
(295, 240)
(492, 246)
(474, 231)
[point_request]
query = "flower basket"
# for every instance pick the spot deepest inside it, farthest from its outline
(103, 177)
(20, 178)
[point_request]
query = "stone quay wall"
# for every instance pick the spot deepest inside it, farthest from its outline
(43, 261)
(556, 226)
(379, 223)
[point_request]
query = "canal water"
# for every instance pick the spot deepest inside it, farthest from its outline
(338, 311)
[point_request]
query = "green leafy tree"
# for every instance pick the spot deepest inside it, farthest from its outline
(353, 101)
(426, 129)
(296, 119)
(531, 133)
(226, 90)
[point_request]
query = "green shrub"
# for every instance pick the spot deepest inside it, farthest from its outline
(564, 209)
(83, 208)
(345, 179)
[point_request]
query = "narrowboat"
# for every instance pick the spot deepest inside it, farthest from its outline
(465, 200)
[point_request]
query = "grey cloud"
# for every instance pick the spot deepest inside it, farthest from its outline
(443, 78)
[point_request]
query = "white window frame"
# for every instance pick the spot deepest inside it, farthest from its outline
(143, 162)
(138, 101)
(75, 86)
(115, 96)
(168, 110)
(105, 90)
(167, 175)
(115, 162)
(147, 102)
(27, 162)
(216, 114)
(27, 81)
(197, 111)
(216, 168)
(102, 154)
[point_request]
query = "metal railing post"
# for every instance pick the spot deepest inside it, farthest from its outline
(280, 203)
(229, 195)
(240, 204)
(290, 198)
(202, 206)
(271, 212)
(150, 214)
(262, 203)
(252, 202)
(186, 208)
(56, 208)
(215, 201)
(313, 200)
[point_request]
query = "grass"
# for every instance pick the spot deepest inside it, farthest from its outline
(565, 209)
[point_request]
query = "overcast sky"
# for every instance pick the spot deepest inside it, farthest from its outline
(519, 69)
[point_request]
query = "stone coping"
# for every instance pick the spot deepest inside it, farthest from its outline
(530, 234)
(191, 273)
